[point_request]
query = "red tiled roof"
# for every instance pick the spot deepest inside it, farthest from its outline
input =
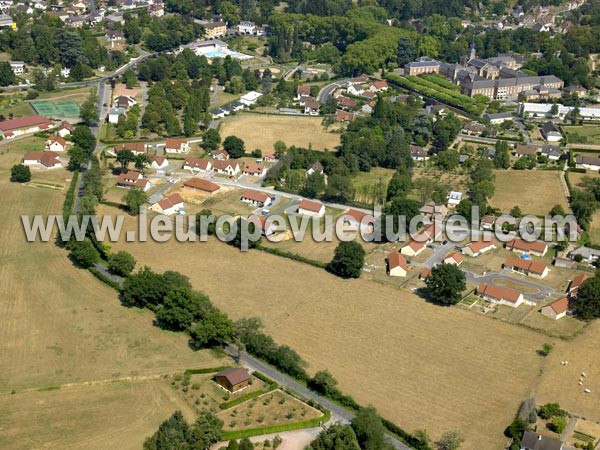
(359, 215)
(477, 246)
(526, 265)
(395, 259)
(345, 101)
(222, 165)
(380, 84)
(66, 126)
(234, 375)
(170, 201)
(310, 205)
(254, 168)
(23, 122)
(196, 163)
(255, 196)
(174, 143)
(47, 159)
(416, 246)
(498, 293)
(520, 244)
(58, 139)
(202, 185)
(456, 256)
(425, 273)
(559, 306)
(577, 281)
(158, 159)
(138, 147)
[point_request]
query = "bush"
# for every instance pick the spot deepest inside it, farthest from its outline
(550, 410)
(558, 424)
(121, 263)
(20, 174)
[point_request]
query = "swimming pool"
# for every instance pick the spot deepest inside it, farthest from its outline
(220, 54)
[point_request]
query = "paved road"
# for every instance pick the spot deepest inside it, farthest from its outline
(521, 125)
(543, 291)
(337, 412)
(104, 271)
(158, 195)
(438, 254)
(483, 140)
(326, 91)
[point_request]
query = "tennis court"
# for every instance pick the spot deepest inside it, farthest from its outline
(64, 108)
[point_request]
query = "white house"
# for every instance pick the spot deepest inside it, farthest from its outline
(250, 98)
(359, 220)
(396, 265)
(17, 67)
(132, 179)
(197, 164)
(502, 296)
(246, 27)
(556, 309)
(311, 208)
(158, 162)
(413, 248)
(177, 146)
(587, 162)
(477, 248)
(256, 198)
(65, 72)
(454, 198)
(169, 205)
(65, 129)
(114, 113)
(255, 169)
(55, 144)
(315, 168)
(49, 160)
(227, 167)
(551, 132)
(356, 89)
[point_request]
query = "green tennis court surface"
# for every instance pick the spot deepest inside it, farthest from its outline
(66, 108)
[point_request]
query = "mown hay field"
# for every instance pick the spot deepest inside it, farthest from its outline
(535, 192)
(262, 131)
(421, 365)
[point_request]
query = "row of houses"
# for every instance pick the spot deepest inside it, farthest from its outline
(229, 167)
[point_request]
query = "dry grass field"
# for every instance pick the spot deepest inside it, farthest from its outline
(535, 192)
(259, 131)
(455, 369)
(117, 415)
(61, 326)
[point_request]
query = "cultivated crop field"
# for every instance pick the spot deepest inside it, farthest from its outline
(260, 131)
(387, 347)
(61, 326)
(535, 192)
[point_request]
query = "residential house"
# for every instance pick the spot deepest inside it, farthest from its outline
(346, 102)
(114, 113)
(344, 116)
(233, 379)
(256, 198)
(315, 168)
(488, 222)
(582, 162)
(137, 148)
(177, 146)
(254, 169)
(526, 150)
(311, 208)
(158, 162)
(17, 67)
(47, 159)
(65, 129)
(526, 267)
(55, 144)
(454, 258)
(418, 153)
(413, 248)
(552, 152)
(124, 101)
(226, 167)
(425, 273)
(169, 205)
(250, 98)
(197, 164)
(23, 125)
(269, 158)
(433, 211)
(266, 227)
(551, 132)
(536, 441)
(302, 91)
(576, 90)
(396, 265)
(498, 118)
(585, 254)
(379, 86)
(537, 248)
(199, 184)
(312, 108)
(215, 29)
(576, 283)
(356, 89)
(221, 155)
(454, 198)
(246, 27)
(362, 79)
(473, 128)
(500, 295)
(556, 309)
(132, 179)
(359, 220)
(476, 248)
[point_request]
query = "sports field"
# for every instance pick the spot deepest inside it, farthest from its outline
(262, 131)
(435, 368)
(535, 192)
(59, 108)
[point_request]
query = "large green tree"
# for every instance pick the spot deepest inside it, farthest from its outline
(135, 199)
(446, 284)
(587, 305)
(348, 260)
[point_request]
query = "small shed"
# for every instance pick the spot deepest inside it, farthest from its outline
(233, 379)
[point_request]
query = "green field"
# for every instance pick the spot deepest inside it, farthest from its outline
(63, 108)
(582, 134)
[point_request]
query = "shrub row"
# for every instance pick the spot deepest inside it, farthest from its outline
(310, 423)
(105, 279)
(70, 196)
(242, 399)
(437, 79)
(207, 370)
(405, 437)
(293, 256)
(272, 383)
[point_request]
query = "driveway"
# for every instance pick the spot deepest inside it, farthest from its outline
(543, 291)
(158, 195)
